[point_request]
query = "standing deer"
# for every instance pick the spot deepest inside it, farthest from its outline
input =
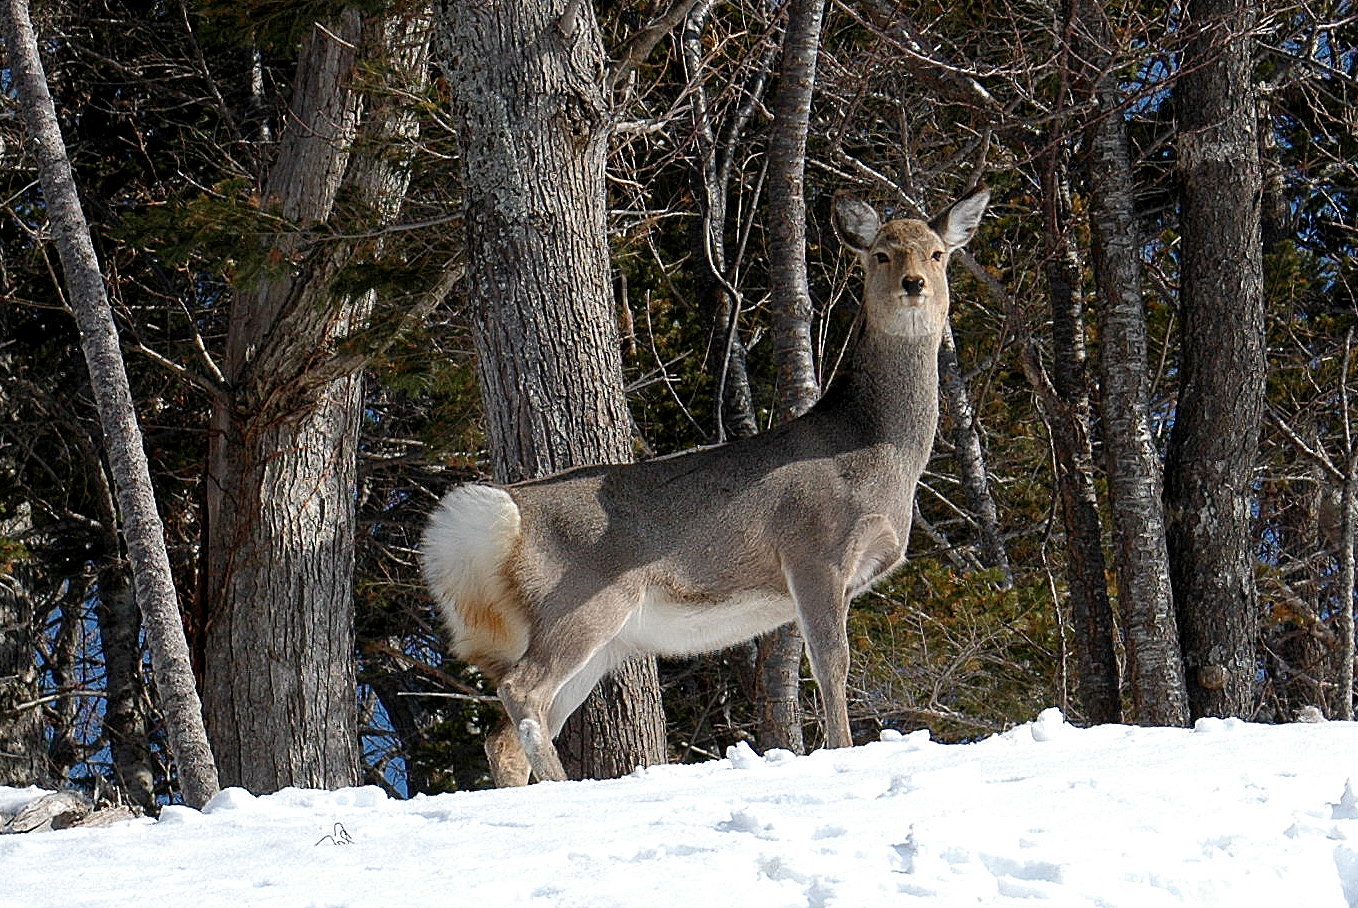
(548, 585)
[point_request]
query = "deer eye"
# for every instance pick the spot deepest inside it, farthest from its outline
(938, 255)
(882, 258)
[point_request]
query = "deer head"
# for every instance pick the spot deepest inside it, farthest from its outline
(905, 262)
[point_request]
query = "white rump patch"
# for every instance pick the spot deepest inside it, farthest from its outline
(464, 556)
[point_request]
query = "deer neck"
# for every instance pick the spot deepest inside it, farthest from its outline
(893, 386)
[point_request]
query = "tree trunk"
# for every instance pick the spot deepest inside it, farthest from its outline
(1140, 560)
(279, 673)
(711, 182)
(279, 677)
(23, 756)
(780, 652)
(778, 671)
(141, 526)
(126, 723)
(1209, 470)
(1067, 409)
(526, 87)
(798, 388)
(970, 458)
(1343, 695)
(23, 744)
(620, 730)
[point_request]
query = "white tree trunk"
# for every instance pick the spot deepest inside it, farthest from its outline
(141, 526)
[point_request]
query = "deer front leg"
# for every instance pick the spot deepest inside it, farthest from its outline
(822, 609)
(821, 592)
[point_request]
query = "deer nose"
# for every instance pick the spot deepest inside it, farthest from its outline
(913, 285)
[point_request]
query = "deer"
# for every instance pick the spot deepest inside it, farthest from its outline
(549, 584)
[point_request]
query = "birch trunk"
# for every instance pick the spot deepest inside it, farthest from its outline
(141, 526)
(1066, 405)
(780, 652)
(1140, 556)
(970, 458)
(1343, 695)
(711, 181)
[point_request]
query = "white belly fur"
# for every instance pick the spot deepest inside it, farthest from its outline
(666, 627)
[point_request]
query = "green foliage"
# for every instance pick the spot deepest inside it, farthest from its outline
(450, 753)
(953, 652)
(221, 232)
(12, 552)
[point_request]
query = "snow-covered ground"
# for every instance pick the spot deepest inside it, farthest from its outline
(1227, 814)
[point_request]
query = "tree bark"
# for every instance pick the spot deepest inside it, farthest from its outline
(141, 525)
(23, 745)
(1209, 470)
(279, 673)
(1343, 695)
(279, 678)
(711, 182)
(623, 729)
(126, 723)
(526, 84)
(1066, 405)
(1140, 559)
(798, 387)
(23, 756)
(780, 652)
(970, 458)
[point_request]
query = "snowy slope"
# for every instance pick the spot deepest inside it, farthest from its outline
(1047, 814)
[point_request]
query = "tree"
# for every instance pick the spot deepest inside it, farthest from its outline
(1140, 559)
(279, 673)
(1210, 468)
(780, 652)
(1065, 402)
(23, 758)
(141, 526)
(526, 83)
(719, 141)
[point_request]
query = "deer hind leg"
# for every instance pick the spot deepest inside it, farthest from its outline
(580, 685)
(508, 763)
(562, 665)
(527, 691)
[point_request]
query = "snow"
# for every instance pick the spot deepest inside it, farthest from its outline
(1227, 813)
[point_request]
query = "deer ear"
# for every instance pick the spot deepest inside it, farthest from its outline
(856, 223)
(958, 224)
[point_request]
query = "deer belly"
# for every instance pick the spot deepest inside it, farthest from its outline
(669, 627)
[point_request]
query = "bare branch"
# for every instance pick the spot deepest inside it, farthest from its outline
(634, 51)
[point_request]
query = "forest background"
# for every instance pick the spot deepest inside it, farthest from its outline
(1141, 505)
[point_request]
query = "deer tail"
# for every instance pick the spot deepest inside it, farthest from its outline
(467, 555)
